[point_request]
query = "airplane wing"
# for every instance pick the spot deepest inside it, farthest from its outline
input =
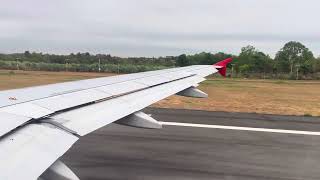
(39, 124)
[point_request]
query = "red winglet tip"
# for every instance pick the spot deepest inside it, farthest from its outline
(223, 69)
(224, 62)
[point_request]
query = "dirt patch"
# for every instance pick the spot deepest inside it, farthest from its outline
(20, 79)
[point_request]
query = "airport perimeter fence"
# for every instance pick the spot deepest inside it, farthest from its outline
(110, 68)
(131, 68)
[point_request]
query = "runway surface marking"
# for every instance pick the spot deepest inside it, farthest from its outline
(282, 131)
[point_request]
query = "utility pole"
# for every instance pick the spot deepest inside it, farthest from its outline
(17, 63)
(118, 68)
(297, 66)
(291, 64)
(99, 65)
(232, 70)
(66, 65)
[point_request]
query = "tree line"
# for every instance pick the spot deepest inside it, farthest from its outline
(293, 61)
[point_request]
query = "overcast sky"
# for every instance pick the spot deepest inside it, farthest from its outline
(156, 27)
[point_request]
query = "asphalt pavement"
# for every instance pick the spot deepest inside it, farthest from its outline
(119, 152)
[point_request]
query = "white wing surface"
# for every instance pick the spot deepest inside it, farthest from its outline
(39, 124)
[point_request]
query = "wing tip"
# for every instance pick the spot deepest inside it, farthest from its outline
(223, 66)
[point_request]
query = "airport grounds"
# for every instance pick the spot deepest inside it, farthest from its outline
(175, 152)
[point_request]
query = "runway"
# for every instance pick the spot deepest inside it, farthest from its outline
(182, 153)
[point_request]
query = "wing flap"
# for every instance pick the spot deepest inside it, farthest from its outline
(10, 121)
(28, 152)
(27, 109)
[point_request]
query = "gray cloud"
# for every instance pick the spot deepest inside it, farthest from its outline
(156, 27)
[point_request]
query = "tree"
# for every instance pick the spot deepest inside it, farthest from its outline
(182, 60)
(27, 54)
(256, 60)
(248, 51)
(244, 68)
(293, 53)
(205, 58)
(316, 65)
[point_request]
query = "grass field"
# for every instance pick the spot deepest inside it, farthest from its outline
(238, 95)
(257, 96)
